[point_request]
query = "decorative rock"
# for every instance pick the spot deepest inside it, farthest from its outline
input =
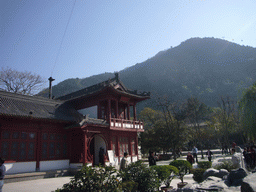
(213, 179)
(222, 173)
(212, 183)
(214, 172)
(248, 184)
(190, 186)
(210, 172)
(235, 177)
(237, 160)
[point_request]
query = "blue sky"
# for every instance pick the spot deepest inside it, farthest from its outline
(110, 35)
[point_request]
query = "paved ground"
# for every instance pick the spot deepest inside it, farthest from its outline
(51, 184)
(39, 185)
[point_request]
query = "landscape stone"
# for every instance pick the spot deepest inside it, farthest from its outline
(249, 184)
(222, 173)
(237, 160)
(212, 183)
(236, 176)
(214, 172)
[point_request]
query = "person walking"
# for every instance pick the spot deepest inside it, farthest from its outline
(151, 159)
(247, 158)
(209, 155)
(194, 152)
(233, 145)
(2, 173)
(190, 158)
(123, 164)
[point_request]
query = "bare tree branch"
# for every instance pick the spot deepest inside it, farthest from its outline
(24, 83)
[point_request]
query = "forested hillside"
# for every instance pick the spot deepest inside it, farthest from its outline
(203, 67)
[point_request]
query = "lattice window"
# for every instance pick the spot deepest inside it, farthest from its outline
(54, 146)
(123, 145)
(18, 145)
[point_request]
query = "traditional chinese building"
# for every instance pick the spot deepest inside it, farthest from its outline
(39, 134)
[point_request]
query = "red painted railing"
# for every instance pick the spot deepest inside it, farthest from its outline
(127, 124)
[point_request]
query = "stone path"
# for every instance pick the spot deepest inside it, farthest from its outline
(39, 185)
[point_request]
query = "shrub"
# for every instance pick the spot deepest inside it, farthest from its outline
(164, 171)
(181, 164)
(228, 165)
(145, 177)
(205, 164)
(198, 174)
(129, 186)
(93, 179)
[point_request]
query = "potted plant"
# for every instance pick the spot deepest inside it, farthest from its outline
(182, 173)
(165, 174)
(184, 167)
(167, 183)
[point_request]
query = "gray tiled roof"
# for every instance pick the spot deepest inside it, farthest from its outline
(90, 121)
(37, 107)
(93, 121)
(100, 86)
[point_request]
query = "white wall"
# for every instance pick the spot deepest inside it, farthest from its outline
(51, 165)
(20, 167)
(78, 165)
(75, 165)
(134, 158)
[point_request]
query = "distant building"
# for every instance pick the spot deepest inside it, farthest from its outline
(39, 134)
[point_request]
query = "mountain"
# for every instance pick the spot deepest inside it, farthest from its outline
(203, 67)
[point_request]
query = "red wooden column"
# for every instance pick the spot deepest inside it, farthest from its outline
(118, 148)
(124, 108)
(99, 110)
(85, 147)
(117, 112)
(136, 145)
(38, 147)
(69, 142)
(130, 147)
(134, 112)
(109, 110)
(128, 111)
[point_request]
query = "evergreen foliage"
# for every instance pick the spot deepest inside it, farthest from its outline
(204, 164)
(247, 107)
(198, 174)
(146, 177)
(180, 164)
(164, 171)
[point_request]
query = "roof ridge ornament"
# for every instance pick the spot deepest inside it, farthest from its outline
(117, 76)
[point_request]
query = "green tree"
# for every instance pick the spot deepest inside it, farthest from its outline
(150, 117)
(225, 119)
(247, 106)
(150, 137)
(149, 141)
(173, 129)
(197, 113)
(164, 129)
